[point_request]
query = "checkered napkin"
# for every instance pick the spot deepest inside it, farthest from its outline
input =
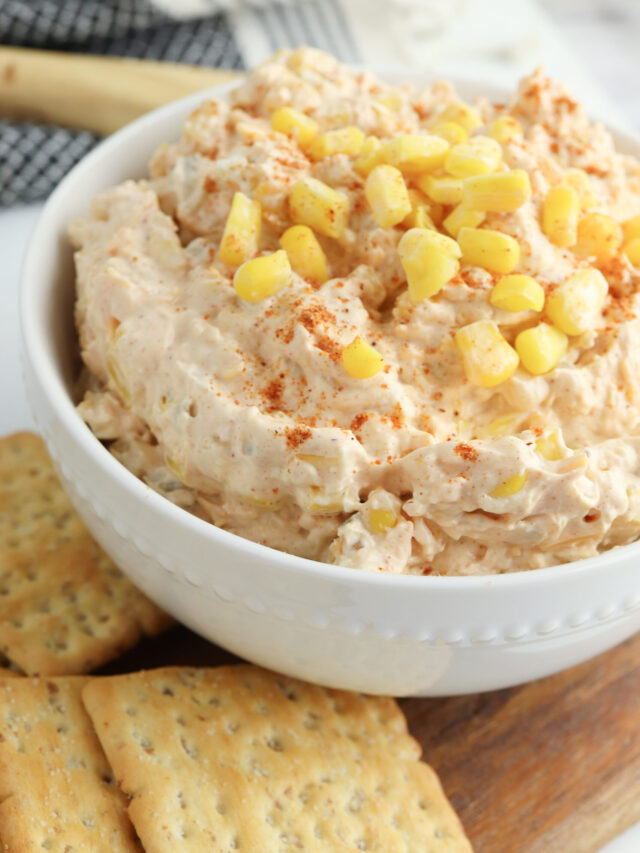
(33, 158)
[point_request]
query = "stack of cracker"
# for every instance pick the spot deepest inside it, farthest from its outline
(221, 760)
(65, 608)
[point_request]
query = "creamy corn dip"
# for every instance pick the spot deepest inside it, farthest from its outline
(374, 325)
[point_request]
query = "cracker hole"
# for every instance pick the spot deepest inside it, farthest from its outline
(275, 744)
(89, 822)
(143, 741)
(231, 727)
(356, 802)
(131, 711)
(167, 691)
(311, 720)
(287, 690)
(188, 748)
(215, 702)
(62, 729)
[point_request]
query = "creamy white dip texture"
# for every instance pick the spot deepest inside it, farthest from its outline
(243, 413)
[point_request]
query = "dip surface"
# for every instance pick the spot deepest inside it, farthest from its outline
(425, 457)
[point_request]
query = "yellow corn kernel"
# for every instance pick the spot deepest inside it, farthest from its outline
(541, 348)
(632, 250)
(387, 195)
(381, 520)
(391, 100)
(631, 228)
(499, 193)
(560, 212)
(319, 206)
(114, 370)
(174, 466)
(549, 447)
(261, 277)
(599, 237)
(581, 183)
(462, 217)
(360, 360)
(574, 306)
(510, 487)
(414, 153)
(241, 231)
(429, 260)
(479, 155)
(263, 503)
(419, 217)
(324, 503)
(296, 124)
(464, 428)
(517, 293)
(318, 461)
(369, 157)
(493, 250)
(442, 189)
(504, 129)
(462, 114)
(453, 132)
(486, 356)
(500, 427)
(305, 253)
(345, 140)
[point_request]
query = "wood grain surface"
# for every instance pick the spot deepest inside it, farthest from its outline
(96, 93)
(547, 767)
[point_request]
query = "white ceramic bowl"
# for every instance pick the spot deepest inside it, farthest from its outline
(376, 633)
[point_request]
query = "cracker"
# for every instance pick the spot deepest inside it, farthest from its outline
(238, 758)
(57, 791)
(65, 608)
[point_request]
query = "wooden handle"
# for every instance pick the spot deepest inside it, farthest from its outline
(95, 93)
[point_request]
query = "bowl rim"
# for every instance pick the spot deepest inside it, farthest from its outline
(34, 352)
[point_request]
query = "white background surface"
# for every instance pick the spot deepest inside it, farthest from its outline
(604, 34)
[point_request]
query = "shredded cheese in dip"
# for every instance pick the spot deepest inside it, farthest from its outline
(350, 420)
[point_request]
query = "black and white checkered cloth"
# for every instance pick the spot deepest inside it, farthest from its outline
(33, 158)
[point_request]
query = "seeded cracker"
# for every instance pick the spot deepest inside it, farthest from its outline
(56, 787)
(237, 758)
(65, 608)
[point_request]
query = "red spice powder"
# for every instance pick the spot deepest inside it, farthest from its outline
(466, 451)
(358, 422)
(210, 185)
(297, 435)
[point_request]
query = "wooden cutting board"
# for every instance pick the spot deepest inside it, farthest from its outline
(549, 767)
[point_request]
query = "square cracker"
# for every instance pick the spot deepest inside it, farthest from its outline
(65, 608)
(57, 792)
(238, 758)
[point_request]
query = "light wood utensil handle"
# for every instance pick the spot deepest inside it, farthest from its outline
(95, 93)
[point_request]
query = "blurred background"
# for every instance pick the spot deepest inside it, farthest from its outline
(589, 44)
